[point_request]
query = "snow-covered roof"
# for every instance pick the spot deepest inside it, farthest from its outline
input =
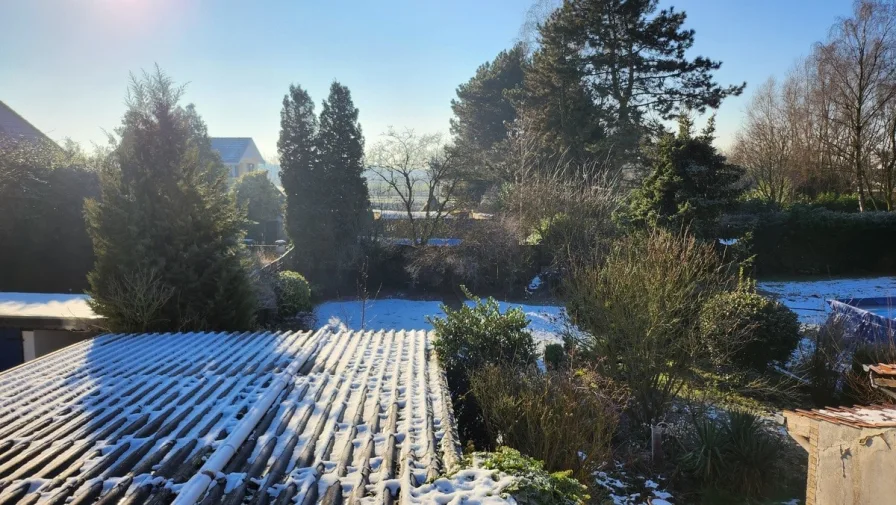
(232, 149)
(324, 417)
(47, 305)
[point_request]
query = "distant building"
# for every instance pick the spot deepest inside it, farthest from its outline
(239, 154)
(15, 127)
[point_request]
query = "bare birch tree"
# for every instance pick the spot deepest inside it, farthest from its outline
(859, 63)
(421, 173)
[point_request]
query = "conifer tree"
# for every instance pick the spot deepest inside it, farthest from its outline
(306, 222)
(689, 185)
(166, 231)
(340, 145)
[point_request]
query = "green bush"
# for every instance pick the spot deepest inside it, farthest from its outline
(470, 338)
(640, 309)
(293, 293)
(473, 336)
(555, 356)
(763, 330)
(565, 418)
(734, 454)
(836, 202)
(532, 484)
(805, 240)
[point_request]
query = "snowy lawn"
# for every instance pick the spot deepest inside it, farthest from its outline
(807, 298)
(45, 305)
(546, 322)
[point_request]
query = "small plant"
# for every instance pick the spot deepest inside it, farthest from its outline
(764, 330)
(293, 293)
(733, 454)
(473, 336)
(565, 418)
(555, 356)
(532, 485)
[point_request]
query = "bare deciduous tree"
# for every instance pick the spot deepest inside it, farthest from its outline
(421, 173)
(765, 145)
(859, 63)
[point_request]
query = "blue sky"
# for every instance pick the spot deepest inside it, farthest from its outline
(64, 63)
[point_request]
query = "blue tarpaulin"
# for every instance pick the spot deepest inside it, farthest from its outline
(863, 319)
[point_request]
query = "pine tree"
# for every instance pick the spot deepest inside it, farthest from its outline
(631, 57)
(262, 201)
(690, 183)
(484, 107)
(166, 230)
(306, 224)
(340, 145)
(559, 109)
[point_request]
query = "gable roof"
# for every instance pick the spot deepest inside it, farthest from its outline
(233, 149)
(204, 417)
(15, 127)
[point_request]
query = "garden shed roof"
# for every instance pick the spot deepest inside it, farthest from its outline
(323, 417)
(869, 416)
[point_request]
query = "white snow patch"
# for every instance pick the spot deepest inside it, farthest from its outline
(473, 486)
(534, 284)
(808, 298)
(546, 322)
(45, 305)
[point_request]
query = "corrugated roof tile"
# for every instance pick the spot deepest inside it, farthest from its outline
(324, 417)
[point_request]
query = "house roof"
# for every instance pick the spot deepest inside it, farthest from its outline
(869, 416)
(46, 311)
(324, 417)
(14, 126)
(231, 149)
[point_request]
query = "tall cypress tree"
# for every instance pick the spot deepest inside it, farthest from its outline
(341, 150)
(166, 231)
(299, 174)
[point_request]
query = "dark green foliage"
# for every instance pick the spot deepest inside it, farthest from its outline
(470, 338)
(293, 294)
(473, 336)
(836, 202)
(766, 330)
(44, 246)
(484, 107)
(484, 112)
(641, 309)
(322, 173)
(167, 221)
(555, 356)
(689, 185)
(533, 485)
(305, 214)
(626, 58)
(340, 146)
(557, 107)
(734, 454)
(262, 201)
(800, 240)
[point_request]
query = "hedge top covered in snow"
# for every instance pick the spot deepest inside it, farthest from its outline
(323, 417)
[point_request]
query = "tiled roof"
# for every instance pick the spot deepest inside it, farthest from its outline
(300, 417)
(882, 369)
(872, 416)
(14, 126)
(230, 149)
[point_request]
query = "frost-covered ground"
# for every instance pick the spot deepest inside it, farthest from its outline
(807, 298)
(45, 305)
(546, 322)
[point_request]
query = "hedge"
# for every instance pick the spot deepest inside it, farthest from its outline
(803, 240)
